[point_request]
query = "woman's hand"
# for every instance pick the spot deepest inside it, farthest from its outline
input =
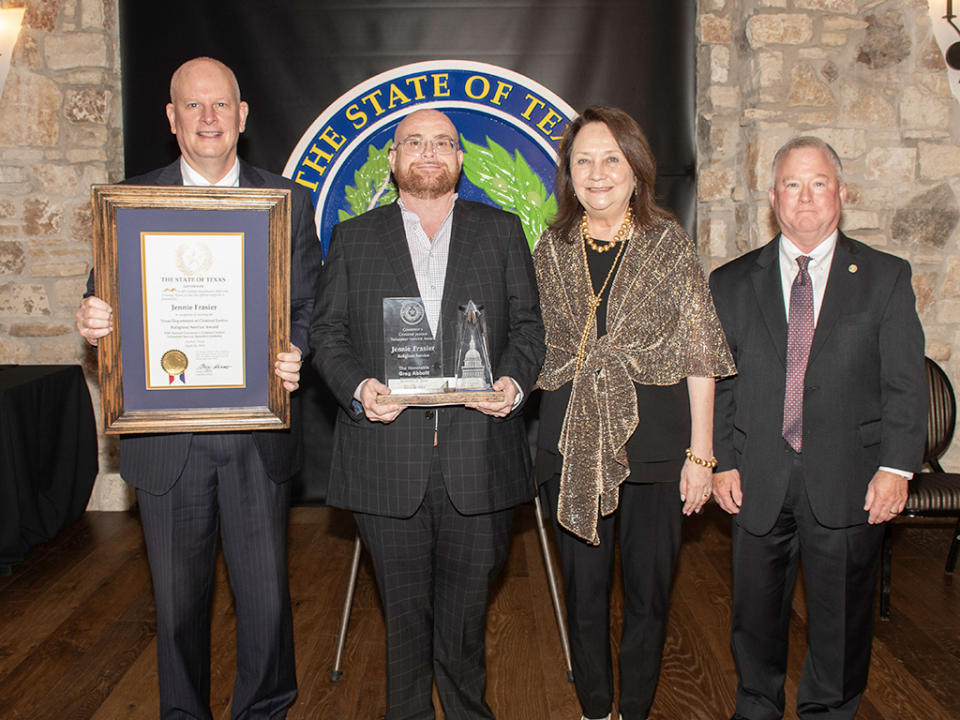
(696, 484)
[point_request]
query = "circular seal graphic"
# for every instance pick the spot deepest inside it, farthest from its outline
(193, 258)
(510, 128)
(411, 313)
(173, 362)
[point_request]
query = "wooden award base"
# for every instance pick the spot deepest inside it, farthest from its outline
(441, 398)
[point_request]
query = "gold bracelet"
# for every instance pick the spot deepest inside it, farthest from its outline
(711, 463)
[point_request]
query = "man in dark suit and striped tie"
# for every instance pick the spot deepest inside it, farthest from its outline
(432, 489)
(816, 437)
(193, 487)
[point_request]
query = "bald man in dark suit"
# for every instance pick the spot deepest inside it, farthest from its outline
(194, 488)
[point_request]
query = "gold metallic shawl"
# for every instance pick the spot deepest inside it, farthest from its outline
(661, 328)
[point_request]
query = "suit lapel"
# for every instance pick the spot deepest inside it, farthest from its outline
(840, 284)
(170, 175)
(394, 241)
(769, 292)
(463, 236)
(249, 177)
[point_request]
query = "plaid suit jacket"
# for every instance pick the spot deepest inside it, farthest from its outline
(382, 469)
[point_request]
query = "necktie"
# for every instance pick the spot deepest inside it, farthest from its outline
(799, 335)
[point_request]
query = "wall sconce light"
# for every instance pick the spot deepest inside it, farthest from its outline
(945, 32)
(953, 52)
(10, 21)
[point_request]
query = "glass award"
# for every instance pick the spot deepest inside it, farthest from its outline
(473, 357)
(411, 353)
(413, 357)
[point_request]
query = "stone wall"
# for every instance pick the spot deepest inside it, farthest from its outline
(868, 77)
(60, 132)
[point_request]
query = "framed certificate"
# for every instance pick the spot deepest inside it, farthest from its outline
(199, 282)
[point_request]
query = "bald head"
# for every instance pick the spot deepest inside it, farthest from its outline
(424, 118)
(207, 116)
(202, 65)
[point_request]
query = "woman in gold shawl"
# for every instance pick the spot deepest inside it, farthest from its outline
(626, 418)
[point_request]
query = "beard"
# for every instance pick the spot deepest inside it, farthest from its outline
(425, 187)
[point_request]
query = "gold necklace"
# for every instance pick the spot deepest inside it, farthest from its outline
(621, 235)
(595, 300)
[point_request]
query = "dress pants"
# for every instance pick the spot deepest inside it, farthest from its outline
(223, 488)
(434, 571)
(840, 577)
(650, 517)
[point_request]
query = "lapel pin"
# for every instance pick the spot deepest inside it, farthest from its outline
(852, 267)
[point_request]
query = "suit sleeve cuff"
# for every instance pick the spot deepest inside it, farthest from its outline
(356, 407)
(519, 398)
(895, 471)
(356, 393)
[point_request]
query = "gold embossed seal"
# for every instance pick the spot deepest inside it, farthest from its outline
(174, 362)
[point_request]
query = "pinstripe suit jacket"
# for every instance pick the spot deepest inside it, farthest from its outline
(154, 462)
(382, 469)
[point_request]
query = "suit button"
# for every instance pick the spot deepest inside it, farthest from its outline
(428, 414)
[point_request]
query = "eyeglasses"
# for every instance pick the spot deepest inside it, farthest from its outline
(416, 145)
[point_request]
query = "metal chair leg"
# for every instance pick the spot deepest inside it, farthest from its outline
(886, 560)
(337, 673)
(552, 581)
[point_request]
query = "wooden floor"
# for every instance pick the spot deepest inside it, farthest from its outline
(77, 630)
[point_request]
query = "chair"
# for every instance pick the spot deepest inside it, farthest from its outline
(935, 493)
(337, 672)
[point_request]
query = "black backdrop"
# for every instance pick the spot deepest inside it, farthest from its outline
(294, 57)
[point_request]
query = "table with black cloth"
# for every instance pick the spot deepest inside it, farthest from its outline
(48, 455)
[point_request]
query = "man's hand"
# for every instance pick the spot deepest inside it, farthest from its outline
(368, 398)
(94, 319)
(287, 367)
(726, 490)
(886, 496)
(499, 409)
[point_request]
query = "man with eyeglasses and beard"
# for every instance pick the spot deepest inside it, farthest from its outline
(432, 489)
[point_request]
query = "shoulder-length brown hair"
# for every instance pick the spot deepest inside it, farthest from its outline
(633, 143)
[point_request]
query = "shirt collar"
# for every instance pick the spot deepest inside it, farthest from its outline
(411, 214)
(820, 254)
(191, 177)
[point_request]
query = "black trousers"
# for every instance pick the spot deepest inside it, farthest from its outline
(840, 578)
(650, 518)
(223, 491)
(434, 571)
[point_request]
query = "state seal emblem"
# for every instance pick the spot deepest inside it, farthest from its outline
(510, 128)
